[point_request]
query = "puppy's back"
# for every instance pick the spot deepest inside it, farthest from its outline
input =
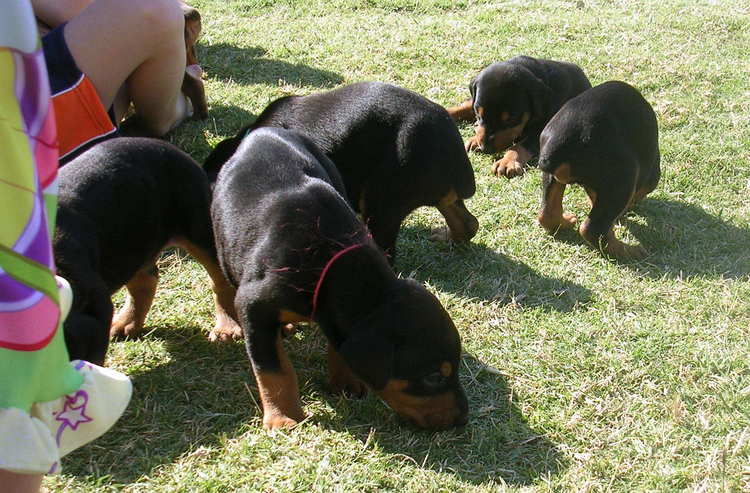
(608, 118)
(277, 189)
(126, 198)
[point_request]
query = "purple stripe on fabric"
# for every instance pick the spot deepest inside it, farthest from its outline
(34, 240)
(12, 291)
(27, 90)
(39, 247)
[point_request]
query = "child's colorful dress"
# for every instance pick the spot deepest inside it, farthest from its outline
(48, 405)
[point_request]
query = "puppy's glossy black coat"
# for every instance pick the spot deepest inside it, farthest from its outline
(607, 140)
(512, 101)
(395, 150)
(295, 250)
(120, 204)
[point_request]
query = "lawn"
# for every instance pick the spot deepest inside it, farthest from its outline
(583, 373)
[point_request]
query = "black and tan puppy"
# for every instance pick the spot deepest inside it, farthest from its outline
(606, 140)
(396, 151)
(295, 251)
(120, 204)
(511, 102)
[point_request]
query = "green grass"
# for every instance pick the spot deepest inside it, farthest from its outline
(582, 373)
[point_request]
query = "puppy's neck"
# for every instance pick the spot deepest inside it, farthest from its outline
(353, 288)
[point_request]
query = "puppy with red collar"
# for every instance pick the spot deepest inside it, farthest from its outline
(293, 247)
(511, 102)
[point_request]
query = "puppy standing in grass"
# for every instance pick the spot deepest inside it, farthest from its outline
(121, 203)
(395, 150)
(295, 251)
(512, 102)
(606, 140)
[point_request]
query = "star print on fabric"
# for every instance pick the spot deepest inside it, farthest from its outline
(73, 412)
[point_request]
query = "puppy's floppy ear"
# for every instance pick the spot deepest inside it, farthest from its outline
(370, 355)
(192, 32)
(541, 98)
(473, 90)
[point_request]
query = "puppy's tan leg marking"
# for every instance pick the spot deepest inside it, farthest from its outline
(462, 112)
(226, 327)
(513, 162)
(613, 246)
(128, 322)
(461, 223)
(551, 217)
(279, 393)
(475, 142)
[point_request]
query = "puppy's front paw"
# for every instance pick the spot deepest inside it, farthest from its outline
(552, 224)
(125, 325)
(472, 144)
(441, 235)
(507, 167)
(625, 251)
(348, 385)
(279, 422)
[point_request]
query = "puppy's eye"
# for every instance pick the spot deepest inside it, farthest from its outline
(434, 379)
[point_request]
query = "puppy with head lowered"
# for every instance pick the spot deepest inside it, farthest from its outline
(606, 140)
(120, 204)
(511, 102)
(293, 247)
(395, 150)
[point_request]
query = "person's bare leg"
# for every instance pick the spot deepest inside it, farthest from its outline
(138, 42)
(20, 483)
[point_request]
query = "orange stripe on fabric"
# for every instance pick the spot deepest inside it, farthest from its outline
(80, 116)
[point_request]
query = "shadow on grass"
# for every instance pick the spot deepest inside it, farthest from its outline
(496, 446)
(687, 241)
(683, 241)
(201, 396)
(176, 407)
(248, 66)
(222, 120)
(475, 271)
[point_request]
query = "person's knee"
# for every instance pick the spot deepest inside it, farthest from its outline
(160, 18)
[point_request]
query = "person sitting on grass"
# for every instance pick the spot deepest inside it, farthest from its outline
(103, 55)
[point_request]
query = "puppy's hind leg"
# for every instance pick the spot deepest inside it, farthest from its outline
(551, 216)
(608, 206)
(225, 328)
(141, 288)
(647, 184)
